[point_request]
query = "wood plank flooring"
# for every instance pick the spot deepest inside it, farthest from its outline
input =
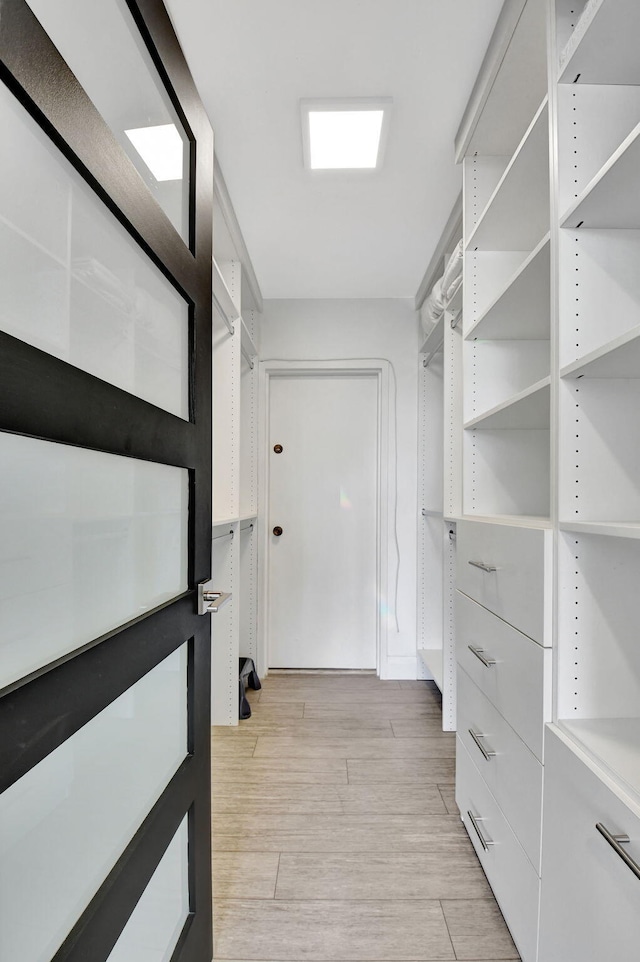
(336, 836)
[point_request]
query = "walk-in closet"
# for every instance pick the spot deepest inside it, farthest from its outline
(319, 481)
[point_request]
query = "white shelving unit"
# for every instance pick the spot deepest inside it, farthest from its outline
(598, 319)
(504, 549)
(236, 325)
(439, 460)
(551, 469)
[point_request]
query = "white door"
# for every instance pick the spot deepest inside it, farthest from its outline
(323, 494)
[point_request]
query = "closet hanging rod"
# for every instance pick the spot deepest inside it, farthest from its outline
(219, 537)
(429, 358)
(456, 320)
(246, 354)
(222, 314)
(247, 527)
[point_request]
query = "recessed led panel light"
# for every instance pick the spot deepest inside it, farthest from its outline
(344, 135)
(161, 148)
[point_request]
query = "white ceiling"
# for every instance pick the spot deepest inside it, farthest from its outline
(336, 234)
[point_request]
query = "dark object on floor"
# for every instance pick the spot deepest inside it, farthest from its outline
(248, 679)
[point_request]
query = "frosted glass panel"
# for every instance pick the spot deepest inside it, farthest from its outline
(153, 930)
(101, 44)
(64, 824)
(88, 541)
(72, 281)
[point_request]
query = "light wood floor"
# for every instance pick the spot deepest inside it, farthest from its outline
(336, 836)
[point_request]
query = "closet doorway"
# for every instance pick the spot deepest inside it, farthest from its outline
(323, 519)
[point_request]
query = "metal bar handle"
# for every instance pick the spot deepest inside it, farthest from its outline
(483, 566)
(486, 660)
(484, 840)
(616, 842)
(487, 752)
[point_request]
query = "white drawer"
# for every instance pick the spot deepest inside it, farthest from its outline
(517, 584)
(509, 871)
(517, 679)
(590, 902)
(511, 771)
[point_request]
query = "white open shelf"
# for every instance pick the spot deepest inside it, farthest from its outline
(611, 199)
(618, 358)
(222, 299)
(611, 529)
(517, 520)
(225, 522)
(529, 409)
(432, 660)
(521, 308)
(612, 741)
(603, 47)
(517, 214)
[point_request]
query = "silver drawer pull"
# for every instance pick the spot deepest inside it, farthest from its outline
(616, 842)
(487, 752)
(482, 566)
(485, 841)
(486, 660)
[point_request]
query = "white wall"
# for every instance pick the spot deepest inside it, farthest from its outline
(365, 329)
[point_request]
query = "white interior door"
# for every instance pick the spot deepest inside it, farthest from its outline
(323, 493)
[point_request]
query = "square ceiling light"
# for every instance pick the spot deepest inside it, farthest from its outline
(344, 134)
(161, 148)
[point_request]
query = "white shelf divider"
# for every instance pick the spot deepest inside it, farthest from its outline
(618, 358)
(611, 199)
(222, 299)
(432, 660)
(517, 213)
(602, 48)
(527, 410)
(520, 311)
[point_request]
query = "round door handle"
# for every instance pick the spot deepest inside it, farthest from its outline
(277, 531)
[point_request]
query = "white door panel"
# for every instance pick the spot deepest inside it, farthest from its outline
(323, 492)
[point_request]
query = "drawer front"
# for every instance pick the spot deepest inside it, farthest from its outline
(511, 771)
(518, 682)
(590, 908)
(514, 587)
(509, 871)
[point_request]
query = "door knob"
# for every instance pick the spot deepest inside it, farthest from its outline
(277, 531)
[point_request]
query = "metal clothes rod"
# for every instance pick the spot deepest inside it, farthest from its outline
(219, 537)
(222, 314)
(248, 357)
(456, 320)
(247, 527)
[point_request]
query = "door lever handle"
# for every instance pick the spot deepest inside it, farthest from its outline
(210, 602)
